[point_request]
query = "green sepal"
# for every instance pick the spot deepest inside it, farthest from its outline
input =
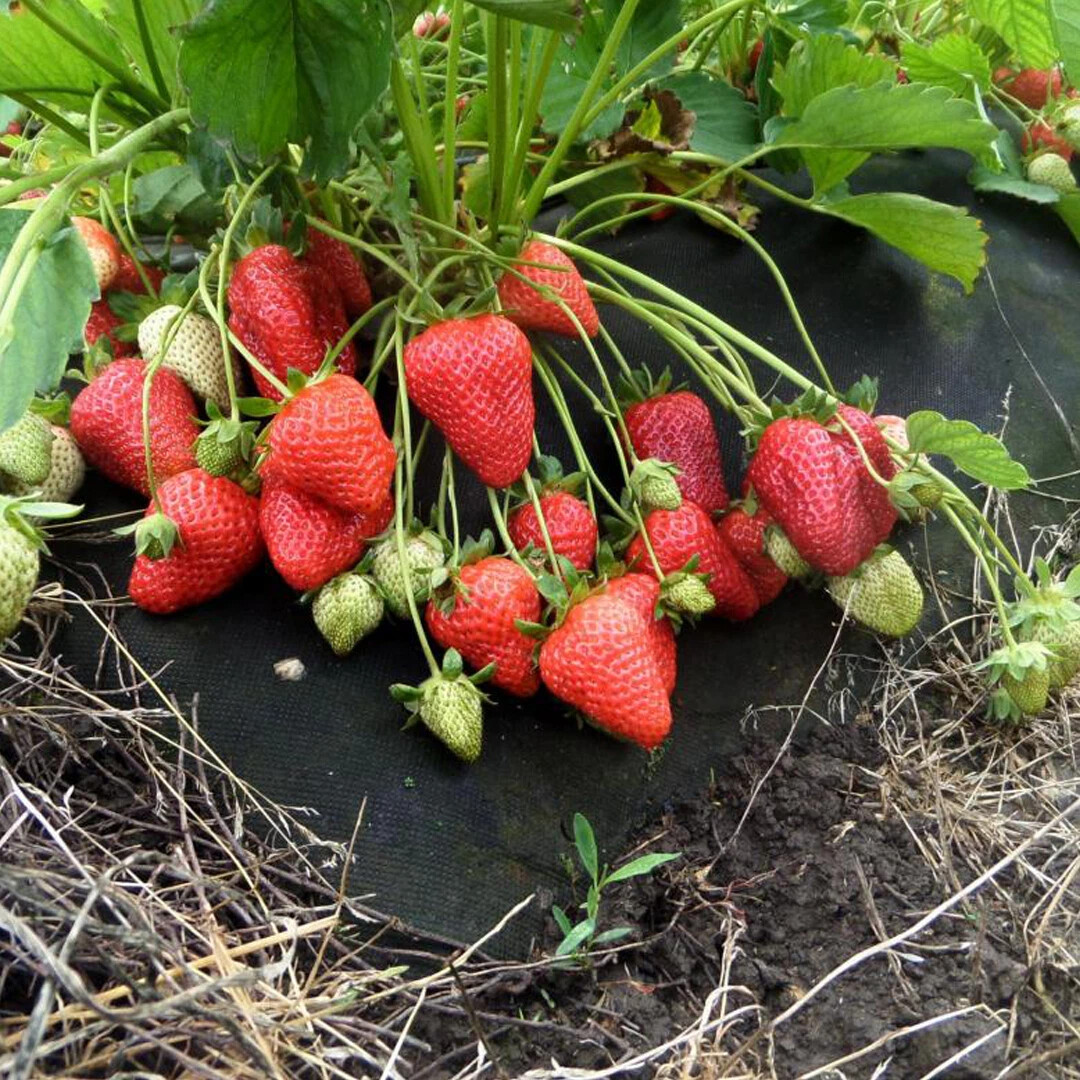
(155, 536)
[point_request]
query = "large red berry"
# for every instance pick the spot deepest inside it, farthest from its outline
(218, 543)
(810, 477)
(472, 378)
(309, 540)
(677, 536)
(479, 621)
(530, 309)
(328, 440)
(678, 428)
(287, 313)
(642, 592)
(744, 535)
(570, 525)
(127, 277)
(337, 259)
(103, 321)
(1042, 136)
(601, 661)
(1035, 88)
(106, 420)
(103, 249)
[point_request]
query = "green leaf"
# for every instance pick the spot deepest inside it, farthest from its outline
(555, 14)
(35, 58)
(726, 125)
(161, 19)
(1068, 209)
(49, 319)
(585, 842)
(945, 238)
(170, 195)
(576, 938)
(562, 920)
(1024, 25)
(955, 61)
(653, 23)
(330, 62)
(886, 117)
(645, 865)
(575, 61)
(1065, 15)
(983, 457)
(615, 934)
(815, 15)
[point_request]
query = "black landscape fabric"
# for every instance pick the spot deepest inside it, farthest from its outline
(451, 848)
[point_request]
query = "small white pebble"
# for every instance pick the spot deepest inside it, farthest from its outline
(291, 669)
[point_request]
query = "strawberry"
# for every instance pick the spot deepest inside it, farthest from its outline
(424, 555)
(194, 352)
(478, 617)
(658, 187)
(310, 541)
(1030, 691)
(288, 314)
(744, 535)
(1034, 87)
(678, 536)
(1053, 171)
(431, 24)
(642, 593)
(127, 277)
(336, 258)
(106, 420)
(26, 450)
(346, 610)
(525, 300)
(472, 378)
(219, 542)
(602, 662)
(1041, 135)
(676, 427)
(755, 56)
(19, 566)
(810, 478)
(570, 525)
(103, 321)
(328, 440)
(883, 594)
(103, 249)
(1070, 122)
(66, 470)
(1063, 641)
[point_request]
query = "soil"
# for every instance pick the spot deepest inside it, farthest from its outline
(815, 866)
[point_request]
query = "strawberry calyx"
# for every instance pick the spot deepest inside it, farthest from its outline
(56, 408)
(155, 535)
(914, 494)
(226, 445)
(1018, 677)
(1052, 602)
(446, 584)
(549, 477)
(685, 593)
(640, 385)
(18, 510)
(653, 484)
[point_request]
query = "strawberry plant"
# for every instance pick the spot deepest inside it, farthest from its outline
(370, 296)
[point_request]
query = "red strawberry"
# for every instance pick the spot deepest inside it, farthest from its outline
(328, 440)
(127, 277)
(745, 537)
(106, 420)
(658, 187)
(103, 248)
(677, 536)
(337, 259)
(218, 543)
(678, 428)
(531, 309)
(755, 56)
(642, 593)
(480, 622)
(601, 661)
(103, 320)
(472, 378)
(811, 479)
(431, 24)
(287, 313)
(310, 541)
(1031, 85)
(1043, 135)
(569, 522)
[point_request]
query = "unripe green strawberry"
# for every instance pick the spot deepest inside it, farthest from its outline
(26, 450)
(216, 457)
(1053, 171)
(782, 552)
(424, 554)
(883, 594)
(654, 484)
(1064, 643)
(453, 712)
(19, 564)
(194, 352)
(1070, 120)
(691, 596)
(67, 470)
(347, 609)
(1029, 693)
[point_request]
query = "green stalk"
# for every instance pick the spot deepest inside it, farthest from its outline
(43, 112)
(504, 534)
(449, 150)
(535, 78)
(149, 50)
(513, 97)
(497, 113)
(420, 150)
